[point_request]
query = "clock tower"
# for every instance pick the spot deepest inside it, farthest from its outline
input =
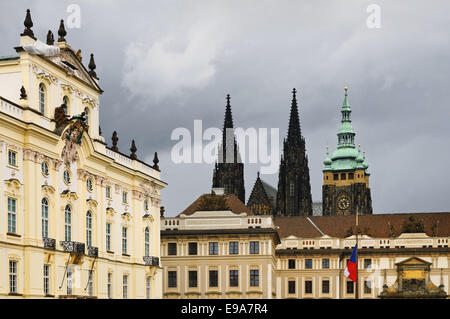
(345, 189)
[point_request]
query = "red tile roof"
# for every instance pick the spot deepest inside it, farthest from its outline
(376, 225)
(233, 202)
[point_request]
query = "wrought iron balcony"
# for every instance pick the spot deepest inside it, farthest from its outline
(92, 251)
(151, 261)
(49, 243)
(72, 247)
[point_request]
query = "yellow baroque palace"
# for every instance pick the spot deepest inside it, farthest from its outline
(77, 219)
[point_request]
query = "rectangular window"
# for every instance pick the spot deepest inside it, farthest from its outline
(12, 158)
(13, 276)
(147, 287)
(234, 248)
(12, 205)
(335, 177)
(291, 287)
(69, 280)
(254, 247)
(351, 175)
(192, 248)
(367, 263)
(125, 197)
(234, 278)
(109, 285)
(325, 286)
(91, 284)
(343, 176)
(254, 278)
(308, 287)
(192, 279)
(172, 249)
(125, 286)
(308, 263)
(124, 240)
(350, 287)
(213, 278)
(108, 237)
(214, 248)
(291, 263)
(172, 279)
(108, 191)
(325, 263)
(46, 280)
(367, 287)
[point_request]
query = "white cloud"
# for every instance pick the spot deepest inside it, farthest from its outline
(176, 63)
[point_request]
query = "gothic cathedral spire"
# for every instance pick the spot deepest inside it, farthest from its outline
(229, 171)
(294, 188)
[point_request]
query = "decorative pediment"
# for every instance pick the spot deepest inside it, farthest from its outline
(13, 183)
(66, 88)
(91, 203)
(68, 195)
(46, 77)
(148, 218)
(110, 211)
(126, 216)
(47, 189)
(414, 261)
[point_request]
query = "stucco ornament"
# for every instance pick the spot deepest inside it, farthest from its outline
(72, 136)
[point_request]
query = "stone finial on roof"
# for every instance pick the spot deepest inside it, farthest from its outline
(62, 32)
(50, 38)
(115, 139)
(92, 67)
(23, 93)
(156, 161)
(28, 23)
(161, 211)
(133, 150)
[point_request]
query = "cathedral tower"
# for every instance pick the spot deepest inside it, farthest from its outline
(345, 189)
(294, 189)
(229, 171)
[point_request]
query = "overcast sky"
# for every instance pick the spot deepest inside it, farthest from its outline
(163, 64)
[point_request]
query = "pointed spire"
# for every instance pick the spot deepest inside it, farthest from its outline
(228, 123)
(23, 93)
(294, 132)
(50, 38)
(28, 23)
(92, 67)
(62, 32)
(115, 139)
(133, 150)
(156, 161)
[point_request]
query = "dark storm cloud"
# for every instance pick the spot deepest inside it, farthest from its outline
(163, 64)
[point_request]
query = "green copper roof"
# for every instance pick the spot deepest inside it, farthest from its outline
(346, 156)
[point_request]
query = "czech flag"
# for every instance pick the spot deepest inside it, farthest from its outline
(351, 270)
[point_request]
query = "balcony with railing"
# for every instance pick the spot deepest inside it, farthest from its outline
(73, 247)
(151, 261)
(49, 243)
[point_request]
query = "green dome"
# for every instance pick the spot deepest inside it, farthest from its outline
(327, 161)
(345, 153)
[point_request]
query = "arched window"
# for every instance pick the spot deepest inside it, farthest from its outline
(68, 223)
(88, 229)
(147, 242)
(42, 98)
(44, 212)
(66, 103)
(86, 112)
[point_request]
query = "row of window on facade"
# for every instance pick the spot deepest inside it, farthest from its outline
(12, 226)
(233, 248)
(213, 278)
(325, 287)
(344, 176)
(65, 101)
(13, 282)
(308, 263)
(67, 177)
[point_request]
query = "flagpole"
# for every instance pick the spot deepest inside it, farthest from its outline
(357, 264)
